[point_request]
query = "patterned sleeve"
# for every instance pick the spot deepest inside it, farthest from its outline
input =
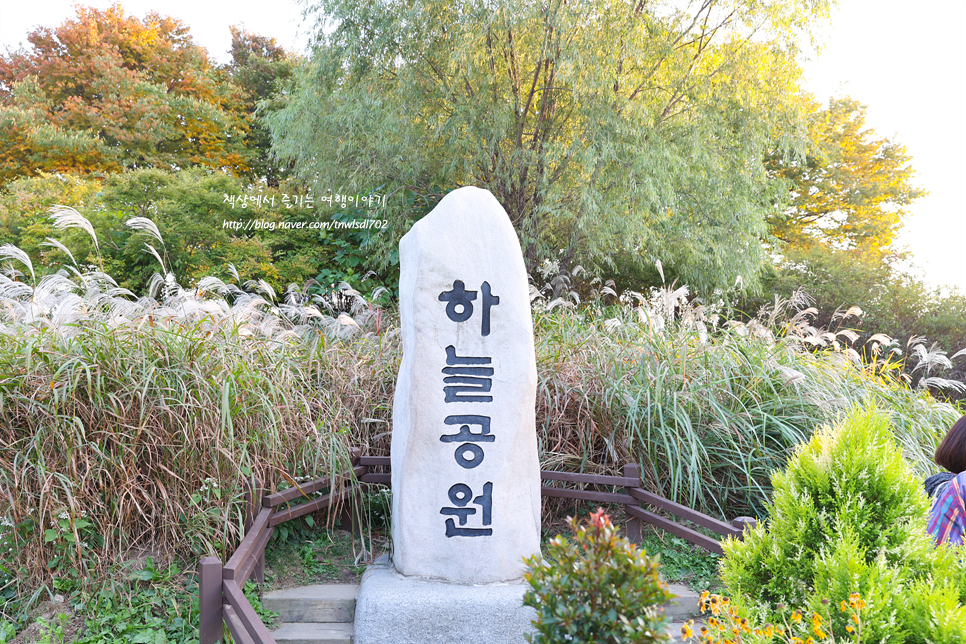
(947, 519)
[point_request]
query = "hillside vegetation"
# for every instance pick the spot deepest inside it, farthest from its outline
(131, 422)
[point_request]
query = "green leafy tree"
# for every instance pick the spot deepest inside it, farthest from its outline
(893, 302)
(23, 210)
(202, 218)
(193, 210)
(259, 66)
(31, 144)
(603, 128)
(849, 196)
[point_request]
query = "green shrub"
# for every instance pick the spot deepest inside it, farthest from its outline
(151, 604)
(598, 588)
(849, 516)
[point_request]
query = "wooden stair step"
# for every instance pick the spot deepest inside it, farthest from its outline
(313, 633)
(324, 603)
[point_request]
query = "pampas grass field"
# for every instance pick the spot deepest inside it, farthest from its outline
(130, 422)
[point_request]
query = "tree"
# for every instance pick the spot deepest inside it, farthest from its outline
(31, 144)
(258, 66)
(202, 216)
(25, 202)
(850, 188)
(602, 127)
(849, 194)
(893, 302)
(107, 90)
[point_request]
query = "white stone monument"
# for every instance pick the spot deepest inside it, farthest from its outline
(465, 472)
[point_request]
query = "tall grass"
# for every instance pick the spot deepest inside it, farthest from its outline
(708, 415)
(148, 431)
(129, 423)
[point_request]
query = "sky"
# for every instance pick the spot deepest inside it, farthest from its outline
(904, 59)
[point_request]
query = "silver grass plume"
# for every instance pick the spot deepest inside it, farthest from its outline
(145, 225)
(65, 217)
(9, 251)
(59, 246)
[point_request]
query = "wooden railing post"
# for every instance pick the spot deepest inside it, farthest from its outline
(254, 491)
(633, 526)
(350, 515)
(210, 600)
(744, 522)
(259, 570)
(253, 500)
(256, 508)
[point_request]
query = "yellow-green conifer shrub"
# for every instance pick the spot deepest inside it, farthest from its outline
(596, 589)
(848, 515)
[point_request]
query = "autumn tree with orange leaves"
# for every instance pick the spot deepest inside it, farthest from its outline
(850, 190)
(105, 91)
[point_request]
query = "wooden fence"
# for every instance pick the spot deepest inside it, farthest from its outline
(222, 601)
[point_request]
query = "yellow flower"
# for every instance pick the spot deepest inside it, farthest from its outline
(843, 606)
(856, 602)
(849, 628)
(796, 616)
(816, 619)
(820, 633)
(686, 631)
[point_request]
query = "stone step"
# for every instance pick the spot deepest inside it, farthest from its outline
(313, 633)
(684, 606)
(324, 603)
(342, 633)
